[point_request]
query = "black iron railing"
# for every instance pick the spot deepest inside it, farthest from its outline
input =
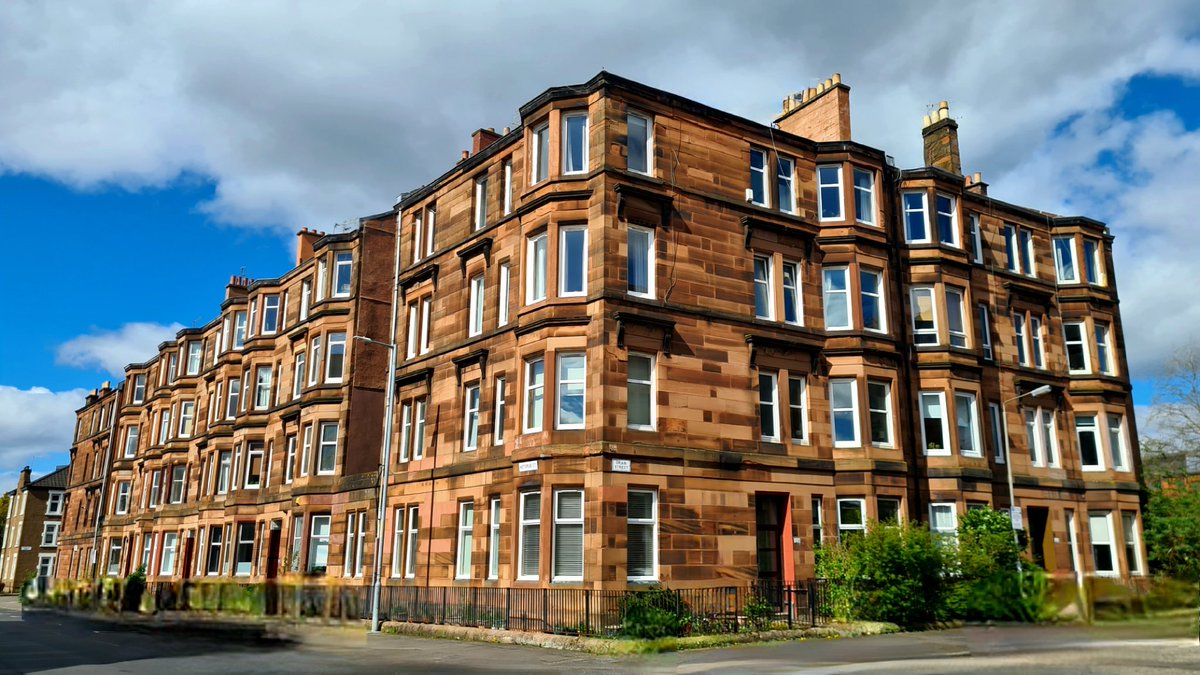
(760, 605)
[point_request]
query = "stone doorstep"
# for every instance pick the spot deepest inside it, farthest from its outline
(615, 646)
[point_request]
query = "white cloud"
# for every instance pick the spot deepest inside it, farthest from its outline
(111, 351)
(36, 425)
(307, 114)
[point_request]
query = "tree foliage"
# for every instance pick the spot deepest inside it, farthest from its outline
(891, 573)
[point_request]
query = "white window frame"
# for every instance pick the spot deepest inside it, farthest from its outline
(822, 185)
(985, 332)
(122, 504)
(493, 538)
(562, 384)
(798, 403)
(412, 542)
(879, 296)
(1132, 539)
(406, 411)
(764, 262)
(890, 442)
(948, 534)
(785, 183)
(1094, 262)
(1021, 337)
(827, 292)
(195, 354)
(649, 264)
(507, 172)
(769, 397)
(270, 308)
(325, 446)
(398, 529)
(465, 540)
(167, 561)
(762, 174)
(566, 144)
(471, 399)
(418, 229)
(852, 410)
(1119, 454)
(1111, 543)
(941, 402)
(859, 193)
(793, 292)
(845, 527)
(564, 261)
(479, 212)
(956, 299)
(972, 402)
(305, 298)
(131, 440)
(652, 523)
(1060, 262)
(139, 388)
(648, 142)
(503, 296)
(952, 214)
(426, 320)
(537, 254)
(529, 528)
(253, 450)
(419, 429)
(317, 542)
(289, 469)
(54, 503)
(559, 521)
(1104, 351)
(1025, 237)
(539, 158)
(1081, 342)
(498, 410)
(299, 370)
(475, 306)
(239, 330)
(535, 394)
(335, 341)
(976, 238)
(342, 259)
(924, 211)
(430, 229)
(919, 333)
(314, 364)
(306, 448)
(1037, 344)
(999, 433)
(1097, 443)
(630, 382)
(262, 388)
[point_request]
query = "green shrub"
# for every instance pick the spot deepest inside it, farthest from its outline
(658, 613)
(891, 573)
(759, 612)
(1167, 593)
(983, 582)
(135, 587)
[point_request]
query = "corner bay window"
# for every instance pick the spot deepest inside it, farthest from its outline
(829, 192)
(758, 177)
(575, 143)
(572, 372)
(572, 256)
(843, 404)
(836, 291)
(640, 262)
(639, 142)
(934, 431)
(540, 156)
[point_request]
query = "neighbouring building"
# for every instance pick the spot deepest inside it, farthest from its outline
(202, 460)
(30, 537)
(644, 340)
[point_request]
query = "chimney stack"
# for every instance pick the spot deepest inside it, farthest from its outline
(483, 138)
(820, 113)
(238, 286)
(24, 479)
(975, 184)
(941, 140)
(304, 246)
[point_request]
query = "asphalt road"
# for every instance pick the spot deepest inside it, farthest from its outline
(37, 642)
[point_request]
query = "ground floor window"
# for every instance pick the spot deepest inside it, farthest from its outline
(1103, 549)
(851, 518)
(642, 529)
(244, 562)
(318, 545)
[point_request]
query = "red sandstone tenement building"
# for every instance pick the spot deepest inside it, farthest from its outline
(641, 339)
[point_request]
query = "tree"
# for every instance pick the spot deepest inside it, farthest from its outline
(4, 499)
(1170, 475)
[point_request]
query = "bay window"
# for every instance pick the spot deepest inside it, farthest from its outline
(785, 170)
(639, 143)
(572, 372)
(575, 143)
(924, 316)
(836, 293)
(934, 428)
(966, 414)
(640, 262)
(864, 196)
(572, 261)
(829, 192)
(768, 405)
(916, 217)
(843, 404)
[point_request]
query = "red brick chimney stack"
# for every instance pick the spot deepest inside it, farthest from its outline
(306, 239)
(24, 479)
(820, 113)
(940, 132)
(483, 138)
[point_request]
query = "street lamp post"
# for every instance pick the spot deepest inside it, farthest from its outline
(385, 462)
(1012, 500)
(386, 450)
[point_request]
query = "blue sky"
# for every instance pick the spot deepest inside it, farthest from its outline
(147, 153)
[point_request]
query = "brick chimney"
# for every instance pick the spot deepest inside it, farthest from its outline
(306, 238)
(483, 138)
(820, 113)
(24, 479)
(975, 184)
(238, 287)
(941, 140)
